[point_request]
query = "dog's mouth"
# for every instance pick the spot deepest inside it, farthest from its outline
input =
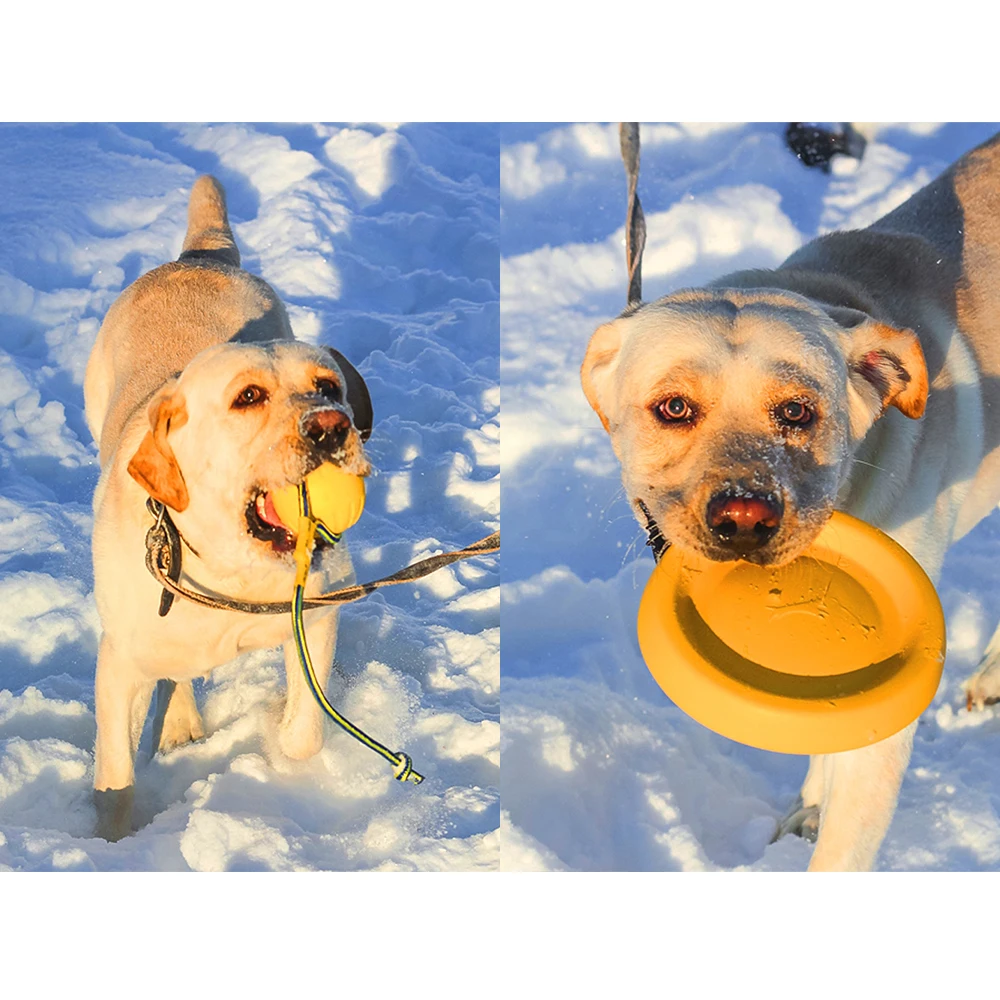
(768, 545)
(266, 526)
(766, 554)
(764, 537)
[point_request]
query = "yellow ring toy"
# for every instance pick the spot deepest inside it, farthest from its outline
(838, 649)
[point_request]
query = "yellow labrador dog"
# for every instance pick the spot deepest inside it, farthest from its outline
(863, 375)
(199, 397)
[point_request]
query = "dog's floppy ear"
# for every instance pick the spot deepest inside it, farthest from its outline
(357, 395)
(885, 367)
(598, 367)
(154, 466)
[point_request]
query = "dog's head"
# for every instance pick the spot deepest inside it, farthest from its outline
(243, 420)
(734, 413)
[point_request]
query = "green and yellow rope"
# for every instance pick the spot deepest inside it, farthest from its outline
(306, 537)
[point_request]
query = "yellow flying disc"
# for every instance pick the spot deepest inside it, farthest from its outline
(839, 649)
(336, 498)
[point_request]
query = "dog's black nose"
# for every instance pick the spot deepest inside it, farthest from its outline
(327, 429)
(743, 523)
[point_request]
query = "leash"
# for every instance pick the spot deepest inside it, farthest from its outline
(304, 541)
(635, 220)
(635, 244)
(163, 560)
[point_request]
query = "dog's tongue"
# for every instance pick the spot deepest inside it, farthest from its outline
(265, 508)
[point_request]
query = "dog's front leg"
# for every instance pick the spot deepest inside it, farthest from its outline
(121, 698)
(803, 819)
(301, 732)
(860, 789)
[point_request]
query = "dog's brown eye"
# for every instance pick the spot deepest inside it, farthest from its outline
(676, 409)
(251, 395)
(327, 387)
(795, 413)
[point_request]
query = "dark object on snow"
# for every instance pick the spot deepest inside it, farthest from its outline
(815, 146)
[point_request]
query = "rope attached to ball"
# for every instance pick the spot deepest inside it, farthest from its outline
(308, 528)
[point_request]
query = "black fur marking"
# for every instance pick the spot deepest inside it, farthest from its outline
(224, 255)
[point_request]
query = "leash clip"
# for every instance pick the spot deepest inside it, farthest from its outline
(163, 551)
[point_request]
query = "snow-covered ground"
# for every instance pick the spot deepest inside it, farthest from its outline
(382, 241)
(600, 770)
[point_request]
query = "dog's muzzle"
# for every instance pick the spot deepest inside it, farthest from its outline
(743, 522)
(326, 430)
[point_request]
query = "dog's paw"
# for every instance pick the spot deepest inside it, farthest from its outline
(114, 812)
(180, 730)
(177, 718)
(983, 687)
(803, 821)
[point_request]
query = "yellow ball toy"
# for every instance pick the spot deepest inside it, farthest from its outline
(336, 498)
(836, 650)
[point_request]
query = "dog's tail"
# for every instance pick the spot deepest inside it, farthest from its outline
(208, 233)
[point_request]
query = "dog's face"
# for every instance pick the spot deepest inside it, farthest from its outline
(734, 413)
(239, 422)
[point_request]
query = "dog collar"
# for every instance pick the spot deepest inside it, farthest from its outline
(655, 538)
(163, 543)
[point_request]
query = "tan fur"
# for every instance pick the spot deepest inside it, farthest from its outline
(154, 466)
(602, 351)
(173, 354)
(889, 335)
(208, 223)
(158, 324)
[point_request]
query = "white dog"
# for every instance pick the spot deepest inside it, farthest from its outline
(200, 399)
(863, 375)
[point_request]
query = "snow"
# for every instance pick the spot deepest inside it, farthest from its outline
(600, 770)
(383, 241)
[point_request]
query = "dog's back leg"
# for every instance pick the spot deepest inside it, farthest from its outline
(208, 233)
(860, 790)
(177, 720)
(983, 687)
